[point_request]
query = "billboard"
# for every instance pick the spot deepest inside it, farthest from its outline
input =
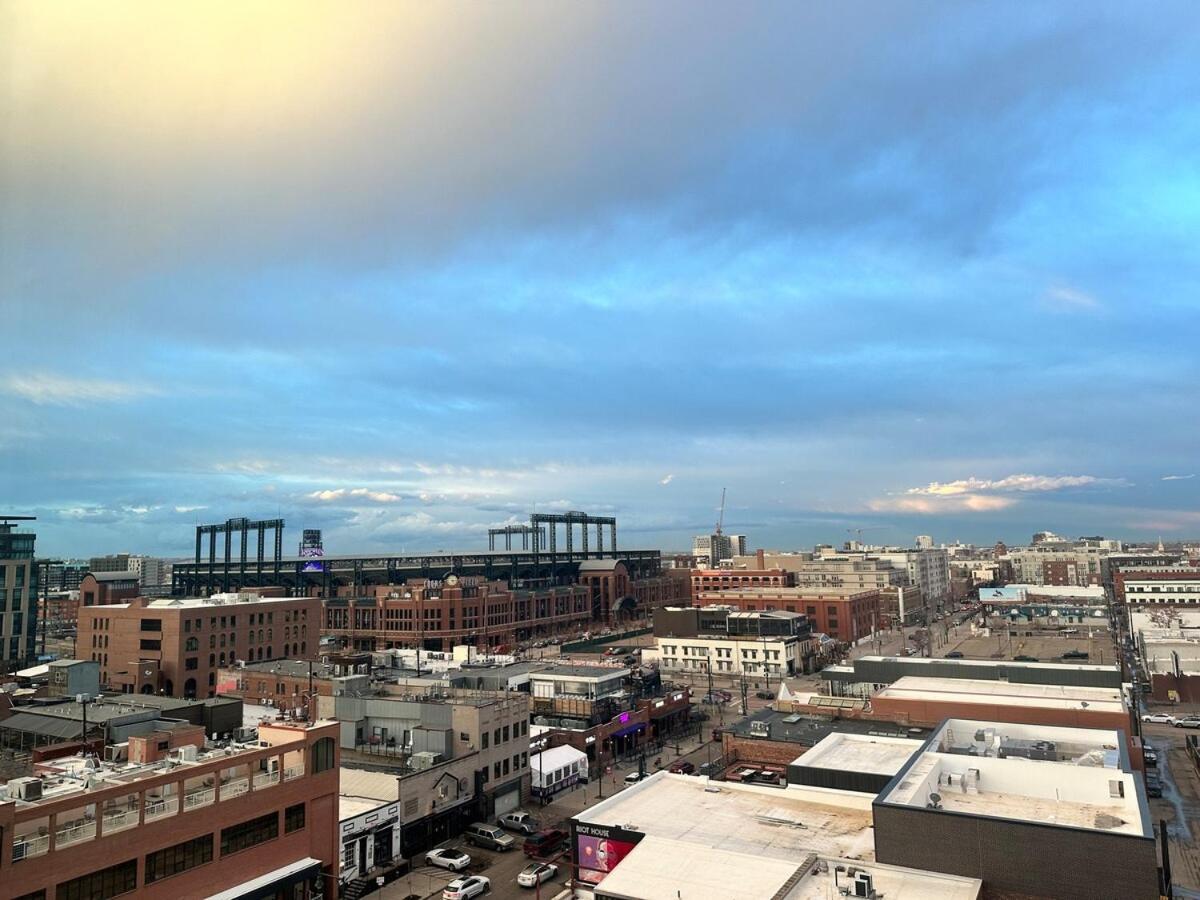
(600, 848)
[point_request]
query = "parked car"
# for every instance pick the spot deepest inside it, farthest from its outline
(765, 695)
(490, 837)
(683, 767)
(447, 858)
(1150, 756)
(954, 654)
(465, 888)
(536, 873)
(518, 821)
(1159, 718)
(545, 842)
(1188, 722)
(635, 777)
(1154, 786)
(1075, 654)
(1024, 658)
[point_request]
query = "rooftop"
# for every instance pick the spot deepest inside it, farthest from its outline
(1067, 777)
(1003, 693)
(294, 668)
(601, 672)
(768, 822)
(861, 753)
(1006, 664)
(809, 731)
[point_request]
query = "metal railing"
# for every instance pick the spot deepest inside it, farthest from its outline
(265, 779)
(159, 809)
(234, 788)
(120, 820)
(74, 834)
(24, 848)
(293, 772)
(198, 798)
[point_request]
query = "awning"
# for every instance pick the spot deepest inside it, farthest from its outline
(267, 885)
(629, 729)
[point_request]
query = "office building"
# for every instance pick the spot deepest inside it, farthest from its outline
(1031, 811)
(728, 642)
(1175, 585)
(844, 614)
(171, 815)
(176, 646)
(713, 550)
(18, 595)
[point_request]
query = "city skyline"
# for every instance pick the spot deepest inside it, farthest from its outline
(410, 274)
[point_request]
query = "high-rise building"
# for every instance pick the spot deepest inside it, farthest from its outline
(713, 548)
(18, 594)
(924, 542)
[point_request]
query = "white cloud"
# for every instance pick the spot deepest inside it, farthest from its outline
(329, 496)
(1066, 297)
(46, 389)
(1019, 483)
(666, 480)
(188, 509)
(1178, 477)
(980, 494)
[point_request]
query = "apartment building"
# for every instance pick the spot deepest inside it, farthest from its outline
(729, 642)
(172, 815)
(1174, 585)
(487, 731)
(1059, 563)
(438, 614)
(177, 646)
(18, 595)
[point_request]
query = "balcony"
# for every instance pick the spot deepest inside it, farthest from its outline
(160, 809)
(198, 798)
(293, 773)
(234, 788)
(119, 821)
(265, 779)
(75, 834)
(30, 845)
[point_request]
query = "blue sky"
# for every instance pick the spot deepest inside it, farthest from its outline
(916, 268)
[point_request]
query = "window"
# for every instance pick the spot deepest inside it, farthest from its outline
(179, 858)
(496, 737)
(506, 734)
(323, 753)
(485, 740)
(191, 644)
(151, 644)
(348, 856)
(293, 818)
(506, 765)
(151, 624)
(249, 834)
(110, 882)
(191, 663)
(516, 762)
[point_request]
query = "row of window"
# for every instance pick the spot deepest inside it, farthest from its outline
(502, 735)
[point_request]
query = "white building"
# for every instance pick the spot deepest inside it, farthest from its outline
(557, 769)
(924, 542)
(713, 549)
(1155, 591)
(770, 657)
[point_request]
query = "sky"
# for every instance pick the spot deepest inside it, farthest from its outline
(409, 272)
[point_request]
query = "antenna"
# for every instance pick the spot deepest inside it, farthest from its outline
(721, 518)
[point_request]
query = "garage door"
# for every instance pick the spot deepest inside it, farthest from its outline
(509, 800)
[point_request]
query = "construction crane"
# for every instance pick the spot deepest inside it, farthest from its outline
(721, 517)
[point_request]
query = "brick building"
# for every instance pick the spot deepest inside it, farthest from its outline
(177, 646)
(438, 614)
(103, 588)
(616, 596)
(845, 615)
(704, 580)
(287, 684)
(176, 818)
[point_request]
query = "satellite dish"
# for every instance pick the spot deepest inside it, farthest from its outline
(935, 800)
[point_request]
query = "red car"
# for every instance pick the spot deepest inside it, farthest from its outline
(682, 768)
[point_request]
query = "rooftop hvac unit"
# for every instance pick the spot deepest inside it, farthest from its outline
(25, 789)
(864, 885)
(188, 752)
(426, 759)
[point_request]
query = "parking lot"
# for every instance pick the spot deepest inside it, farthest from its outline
(1044, 647)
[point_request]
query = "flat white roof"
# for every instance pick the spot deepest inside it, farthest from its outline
(663, 869)
(993, 663)
(860, 753)
(772, 823)
(971, 690)
(265, 881)
(1069, 777)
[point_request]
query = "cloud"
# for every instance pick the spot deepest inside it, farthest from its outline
(980, 494)
(667, 480)
(46, 389)
(188, 509)
(1018, 483)
(1178, 477)
(330, 496)
(1069, 298)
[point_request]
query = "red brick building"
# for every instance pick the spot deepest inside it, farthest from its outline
(102, 588)
(728, 579)
(843, 615)
(179, 820)
(176, 646)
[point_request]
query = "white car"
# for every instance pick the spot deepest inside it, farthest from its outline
(536, 873)
(1159, 718)
(447, 858)
(464, 888)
